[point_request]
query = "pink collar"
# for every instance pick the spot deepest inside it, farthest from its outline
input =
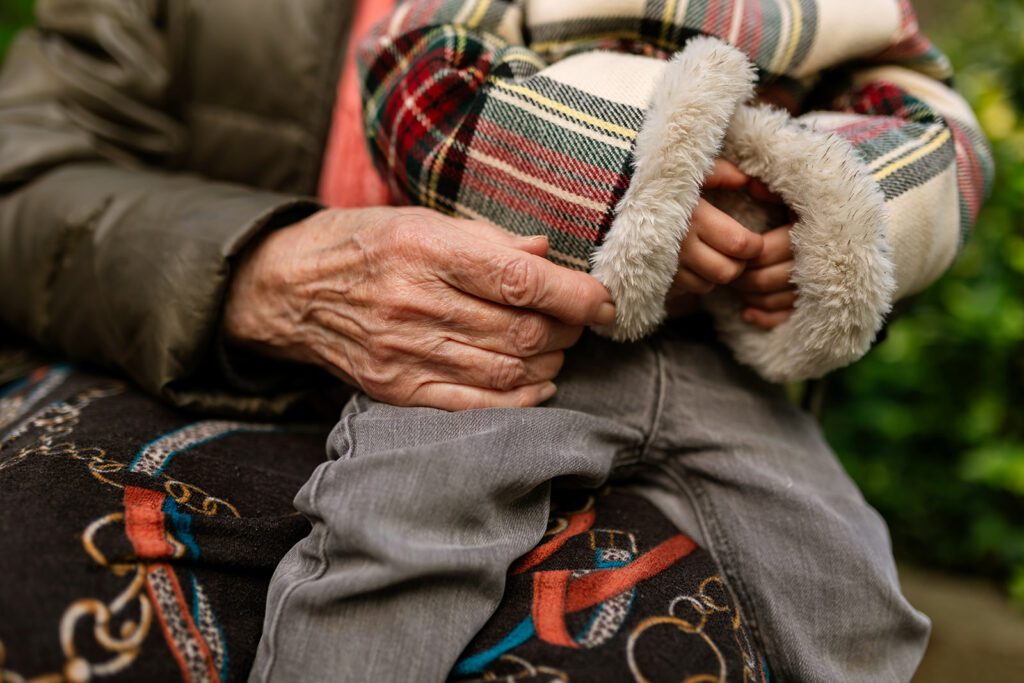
(348, 178)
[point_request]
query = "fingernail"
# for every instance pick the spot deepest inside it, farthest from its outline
(534, 239)
(547, 391)
(605, 314)
(748, 316)
(537, 244)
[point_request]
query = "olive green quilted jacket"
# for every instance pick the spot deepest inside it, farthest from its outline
(143, 144)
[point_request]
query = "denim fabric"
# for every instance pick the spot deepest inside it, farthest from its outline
(418, 514)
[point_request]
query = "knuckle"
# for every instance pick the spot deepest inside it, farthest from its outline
(593, 292)
(724, 273)
(520, 279)
(506, 372)
(388, 359)
(740, 242)
(529, 334)
(380, 388)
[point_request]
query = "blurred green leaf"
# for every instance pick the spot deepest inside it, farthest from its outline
(997, 464)
(1017, 586)
(13, 15)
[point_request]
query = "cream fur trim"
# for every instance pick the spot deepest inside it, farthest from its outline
(842, 266)
(674, 152)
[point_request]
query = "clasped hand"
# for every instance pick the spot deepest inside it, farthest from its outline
(414, 307)
(421, 309)
(718, 251)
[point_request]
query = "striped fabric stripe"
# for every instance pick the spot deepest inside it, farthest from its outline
(154, 457)
(209, 628)
(975, 170)
(906, 143)
(193, 636)
(191, 651)
(144, 523)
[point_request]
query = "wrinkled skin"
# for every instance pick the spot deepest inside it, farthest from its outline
(420, 309)
(415, 308)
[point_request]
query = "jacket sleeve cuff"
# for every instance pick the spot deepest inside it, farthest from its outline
(675, 150)
(842, 269)
(231, 379)
(128, 268)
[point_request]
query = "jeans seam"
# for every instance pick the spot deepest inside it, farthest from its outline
(721, 551)
(350, 438)
(630, 457)
(323, 561)
(659, 404)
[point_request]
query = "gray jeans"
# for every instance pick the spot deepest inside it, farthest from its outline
(418, 514)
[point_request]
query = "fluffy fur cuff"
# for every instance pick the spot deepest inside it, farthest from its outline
(674, 151)
(842, 271)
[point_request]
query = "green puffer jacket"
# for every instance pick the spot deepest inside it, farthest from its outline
(143, 144)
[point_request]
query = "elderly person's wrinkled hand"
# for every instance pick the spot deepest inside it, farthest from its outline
(413, 307)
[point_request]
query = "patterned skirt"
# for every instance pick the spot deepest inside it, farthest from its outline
(137, 543)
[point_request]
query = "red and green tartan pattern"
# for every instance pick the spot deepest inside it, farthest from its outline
(543, 169)
(775, 34)
(913, 50)
(464, 121)
(906, 143)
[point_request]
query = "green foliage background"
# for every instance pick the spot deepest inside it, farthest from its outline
(931, 424)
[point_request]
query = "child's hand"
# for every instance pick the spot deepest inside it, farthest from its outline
(716, 249)
(765, 287)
